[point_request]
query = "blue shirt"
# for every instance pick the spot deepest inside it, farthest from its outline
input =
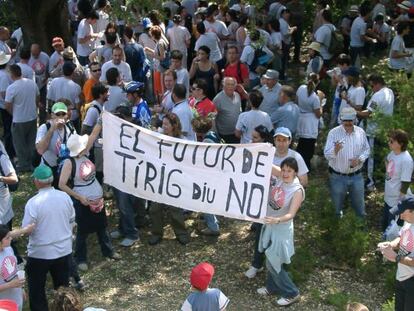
(286, 116)
(135, 57)
(211, 299)
(142, 114)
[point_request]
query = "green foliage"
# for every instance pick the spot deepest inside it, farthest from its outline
(303, 264)
(388, 305)
(7, 15)
(339, 299)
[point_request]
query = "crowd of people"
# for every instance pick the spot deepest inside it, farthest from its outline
(202, 72)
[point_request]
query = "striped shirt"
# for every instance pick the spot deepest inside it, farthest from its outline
(354, 146)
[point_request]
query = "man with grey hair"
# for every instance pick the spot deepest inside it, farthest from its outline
(346, 150)
(270, 91)
(228, 104)
(50, 242)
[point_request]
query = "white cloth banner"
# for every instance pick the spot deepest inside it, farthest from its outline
(228, 180)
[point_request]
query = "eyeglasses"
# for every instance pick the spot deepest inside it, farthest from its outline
(96, 70)
(60, 114)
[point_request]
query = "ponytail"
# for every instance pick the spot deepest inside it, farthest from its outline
(313, 80)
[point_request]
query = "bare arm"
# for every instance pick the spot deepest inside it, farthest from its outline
(293, 209)
(63, 183)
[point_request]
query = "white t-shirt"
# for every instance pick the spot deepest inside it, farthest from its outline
(184, 113)
(22, 94)
(247, 57)
(5, 81)
(308, 123)
(54, 60)
(183, 78)
(84, 29)
(324, 36)
(264, 35)
(116, 97)
(358, 29)
(63, 87)
(218, 27)
(356, 95)
(178, 35)
(398, 45)
(40, 67)
(276, 38)
(6, 210)
(210, 40)
(58, 137)
(8, 266)
(104, 53)
(52, 236)
(399, 168)
(27, 71)
(284, 30)
(382, 101)
(303, 169)
(406, 248)
(249, 120)
(123, 68)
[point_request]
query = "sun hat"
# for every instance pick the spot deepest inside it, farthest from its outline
(59, 107)
(353, 8)
(405, 204)
(283, 131)
(76, 144)
(201, 275)
(42, 172)
(4, 58)
(315, 46)
(68, 53)
(271, 74)
(57, 41)
(348, 114)
(405, 5)
(8, 305)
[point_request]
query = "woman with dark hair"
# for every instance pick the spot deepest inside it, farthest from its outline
(203, 68)
(241, 32)
(232, 25)
(276, 239)
(199, 100)
(400, 57)
(171, 127)
(261, 134)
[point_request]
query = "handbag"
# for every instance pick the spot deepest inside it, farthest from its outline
(393, 230)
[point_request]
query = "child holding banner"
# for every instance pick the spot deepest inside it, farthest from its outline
(276, 240)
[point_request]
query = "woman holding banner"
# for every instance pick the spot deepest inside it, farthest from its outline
(172, 127)
(276, 240)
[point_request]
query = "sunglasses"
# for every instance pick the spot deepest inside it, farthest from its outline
(96, 70)
(60, 114)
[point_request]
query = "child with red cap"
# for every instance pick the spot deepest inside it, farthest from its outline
(203, 298)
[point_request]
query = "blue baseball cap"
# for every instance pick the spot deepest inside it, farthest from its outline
(405, 204)
(146, 23)
(352, 71)
(283, 131)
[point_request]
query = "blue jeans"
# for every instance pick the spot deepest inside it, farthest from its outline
(340, 185)
(211, 222)
(127, 205)
(280, 283)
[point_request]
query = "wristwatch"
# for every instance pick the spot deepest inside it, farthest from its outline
(1, 179)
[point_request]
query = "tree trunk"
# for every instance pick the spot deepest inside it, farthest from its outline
(41, 20)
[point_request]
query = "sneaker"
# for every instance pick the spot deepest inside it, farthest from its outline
(263, 291)
(287, 301)
(83, 266)
(115, 256)
(128, 242)
(115, 234)
(209, 232)
(251, 273)
(80, 285)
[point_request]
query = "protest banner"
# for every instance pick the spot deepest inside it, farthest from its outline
(228, 180)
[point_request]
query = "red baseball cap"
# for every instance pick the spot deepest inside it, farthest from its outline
(8, 305)
(57, 41)
(201, 275)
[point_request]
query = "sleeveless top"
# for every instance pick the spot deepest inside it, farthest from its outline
(84, 182)
(209, 77)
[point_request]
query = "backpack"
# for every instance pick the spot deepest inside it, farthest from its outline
(12, 187)
(214, 137)
(260, 59)
(84, 109)
(336, 46)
